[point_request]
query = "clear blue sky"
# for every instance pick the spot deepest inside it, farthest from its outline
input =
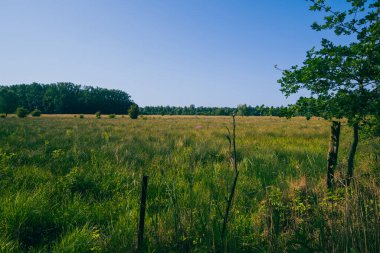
(167, 52)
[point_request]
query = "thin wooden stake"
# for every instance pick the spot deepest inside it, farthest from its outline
(140, 239)
(233, 142)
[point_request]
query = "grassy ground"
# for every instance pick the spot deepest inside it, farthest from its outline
(73, 185)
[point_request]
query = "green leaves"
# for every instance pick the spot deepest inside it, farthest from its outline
(133, 111)
(8, 100)
(358, 19)
(63, 98)
(343, 79)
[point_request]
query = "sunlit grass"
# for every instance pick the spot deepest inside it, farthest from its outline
(70, 184)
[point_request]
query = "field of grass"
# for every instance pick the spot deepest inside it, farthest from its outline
(73, 185)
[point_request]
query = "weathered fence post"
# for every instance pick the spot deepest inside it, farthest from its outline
(140, 238)
(332, 156)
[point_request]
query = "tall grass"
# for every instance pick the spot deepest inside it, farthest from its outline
(72, 185)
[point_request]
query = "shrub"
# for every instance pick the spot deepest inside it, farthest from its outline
(372, 127)
(98, 115)
(133, 112)
(81, 116)
(3, 115)
(21, 112)
(112, 116)
(36, 113)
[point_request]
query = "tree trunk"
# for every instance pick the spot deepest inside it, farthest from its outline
(350, 167)
(332, 157)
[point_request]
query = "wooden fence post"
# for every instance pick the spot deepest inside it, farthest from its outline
(332, 157)
(140, 239)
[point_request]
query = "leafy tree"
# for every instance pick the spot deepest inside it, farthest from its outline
(21, 112)
(63, 98)
(343, 79)
(8, 100)
(246, 110)
(36, 113)
(133, 111)
(219, 112)
(242, 110)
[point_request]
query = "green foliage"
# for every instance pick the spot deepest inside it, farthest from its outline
(371, 127)
(98, 115)
(343, 79)
(134, 112)
(3, 115)
(112, 116)
(242, 110)
(36, 113)
(8, 100)
(246, 110)
(21, 112)
(81, 116)
(219, 112)
(65, 98)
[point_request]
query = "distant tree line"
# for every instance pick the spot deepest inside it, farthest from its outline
(63, 98)
(69, 98)
(241, 110)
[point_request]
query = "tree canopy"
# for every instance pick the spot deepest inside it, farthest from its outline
(63, 98)
(343, 79)
(241, 110)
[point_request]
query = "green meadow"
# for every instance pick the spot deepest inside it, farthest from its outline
(71, 184)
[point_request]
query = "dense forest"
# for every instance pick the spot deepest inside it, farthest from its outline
(63, 98)
(67, 98)
(241, 110)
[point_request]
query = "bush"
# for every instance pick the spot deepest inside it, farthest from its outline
(81, 116)
(36, 113)
(98, 115)
(21, 112)
(133, 112)
(371, 128)
(3, 115)
(112, 116)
